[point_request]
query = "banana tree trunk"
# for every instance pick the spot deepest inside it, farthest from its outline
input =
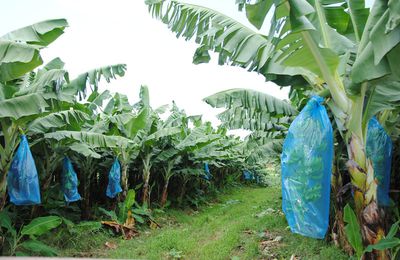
(86, 202)
(183, 190)
(167, 175)
(164, 196)
(361, 171)
(10, 134)
(146, 198)
(88, 171)
(364, 184)
(3, 189)
(124, 179)
(50, 167)
(5, 166)
(146, 180)
(338, 226)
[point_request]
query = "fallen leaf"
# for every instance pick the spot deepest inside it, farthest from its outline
(129, 233)
(127, 230)
(110, 245)
(116, 226)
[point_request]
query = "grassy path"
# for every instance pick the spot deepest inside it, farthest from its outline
(246, 223)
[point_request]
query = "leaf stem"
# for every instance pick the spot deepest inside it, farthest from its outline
(322, 22)
(337, 93)
(353, 21)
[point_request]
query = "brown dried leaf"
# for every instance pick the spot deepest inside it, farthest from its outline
(129, 233)
(115, 225)
(110, 245)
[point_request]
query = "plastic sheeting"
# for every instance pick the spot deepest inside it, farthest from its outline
(69, 182)
(379, 150)
(307, 159)
(22, 179)
(114, 180)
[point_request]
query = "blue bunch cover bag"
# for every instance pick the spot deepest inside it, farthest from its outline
(207, 172)
(247, 175)
(379, 150)
(22, 179)
(69, 182)
(114, 180)
(306, 160)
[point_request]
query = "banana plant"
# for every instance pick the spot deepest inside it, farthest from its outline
(149, 150)
(123, 119)
(24, 241)
(251, 110)
(89, 140)
(50, 150)
(192, 171)
(339, 48)
(21, 101)
(266, 117)
(88, 147)
(146, 135)
(181, 145)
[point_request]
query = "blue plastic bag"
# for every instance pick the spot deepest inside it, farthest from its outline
(207, 172)
(69, 182)
(307, 159)
(22, 179)
(379, 150)
(114, 180)
(247, 175)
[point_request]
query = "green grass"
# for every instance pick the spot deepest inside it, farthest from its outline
(224, 230)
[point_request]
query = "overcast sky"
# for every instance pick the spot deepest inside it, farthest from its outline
(122, 31)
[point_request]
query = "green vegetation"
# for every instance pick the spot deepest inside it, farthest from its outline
(241, 224)
(163, 152)
(338, 49)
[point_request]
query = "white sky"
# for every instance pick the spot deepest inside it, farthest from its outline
(122, 31)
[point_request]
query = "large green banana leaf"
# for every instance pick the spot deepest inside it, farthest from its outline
(92, 139)
(19, 49)
(26, 105)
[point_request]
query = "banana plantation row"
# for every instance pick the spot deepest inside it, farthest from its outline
(67, 148)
